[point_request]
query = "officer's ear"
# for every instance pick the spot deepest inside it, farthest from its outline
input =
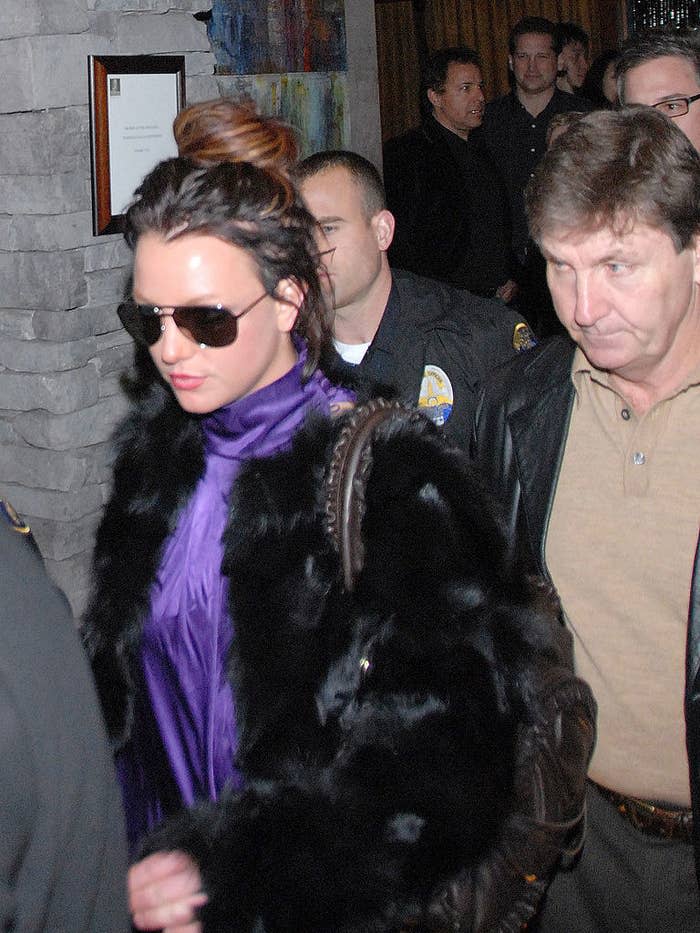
(383, 224)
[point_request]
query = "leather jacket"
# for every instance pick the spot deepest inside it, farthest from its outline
(518, 442)
(428, 324)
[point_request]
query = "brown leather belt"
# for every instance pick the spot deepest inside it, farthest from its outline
(647, 817)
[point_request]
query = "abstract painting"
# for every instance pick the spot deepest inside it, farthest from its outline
(314, 104)
(278, 36)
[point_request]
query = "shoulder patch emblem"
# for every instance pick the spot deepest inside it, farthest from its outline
(523, 338)
(436, 398)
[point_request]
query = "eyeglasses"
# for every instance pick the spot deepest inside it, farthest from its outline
(676, 107)
(209, 326)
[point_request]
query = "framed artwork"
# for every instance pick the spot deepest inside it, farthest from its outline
(133, 102)
(314, 104)
(278, 36)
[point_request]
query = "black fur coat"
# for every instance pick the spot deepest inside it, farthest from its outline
(415, 751)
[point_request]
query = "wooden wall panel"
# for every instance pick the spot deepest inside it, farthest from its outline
(397, 63)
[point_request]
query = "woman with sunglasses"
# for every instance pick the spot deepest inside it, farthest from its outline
(405, 751)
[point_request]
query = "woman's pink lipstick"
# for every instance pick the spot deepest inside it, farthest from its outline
(184, 382)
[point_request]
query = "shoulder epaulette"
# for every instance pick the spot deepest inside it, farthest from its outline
(12, 518)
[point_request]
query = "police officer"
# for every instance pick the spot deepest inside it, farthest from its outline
(430, 342)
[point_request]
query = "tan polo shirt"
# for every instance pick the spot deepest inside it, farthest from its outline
(620, 546)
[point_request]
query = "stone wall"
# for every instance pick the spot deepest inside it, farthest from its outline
(61, 347)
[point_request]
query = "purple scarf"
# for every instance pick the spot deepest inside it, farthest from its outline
(184, 738)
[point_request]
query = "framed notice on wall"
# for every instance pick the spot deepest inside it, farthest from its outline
(133, 102)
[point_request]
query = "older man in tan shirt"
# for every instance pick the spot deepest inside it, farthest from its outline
(593, 445)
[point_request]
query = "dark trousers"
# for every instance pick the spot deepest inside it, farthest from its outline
(625, 882)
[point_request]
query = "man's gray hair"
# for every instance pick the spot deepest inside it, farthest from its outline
(616, 168)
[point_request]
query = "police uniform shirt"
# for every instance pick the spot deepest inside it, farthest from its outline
(434, 345)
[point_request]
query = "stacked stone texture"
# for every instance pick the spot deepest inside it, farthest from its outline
(61, 345)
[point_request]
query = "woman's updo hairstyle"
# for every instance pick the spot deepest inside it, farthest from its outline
(226, 131)
(250, 202)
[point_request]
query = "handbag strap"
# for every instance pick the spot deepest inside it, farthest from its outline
(346, 480)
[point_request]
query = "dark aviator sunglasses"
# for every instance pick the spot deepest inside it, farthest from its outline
(209, 326)
(206, 325)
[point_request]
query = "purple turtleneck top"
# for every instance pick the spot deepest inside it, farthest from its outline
(184, 739)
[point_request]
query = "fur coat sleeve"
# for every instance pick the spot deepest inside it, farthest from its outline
(159, 460)
(415, 751)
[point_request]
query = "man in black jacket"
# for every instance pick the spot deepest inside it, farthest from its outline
(514, 128)
(450, 203)
(514, 132)
(591, 444)
(431, 343)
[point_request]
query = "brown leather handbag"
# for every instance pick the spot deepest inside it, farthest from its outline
(346, 480)
(545, 829)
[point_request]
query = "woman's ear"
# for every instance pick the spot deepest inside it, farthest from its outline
(290, 297)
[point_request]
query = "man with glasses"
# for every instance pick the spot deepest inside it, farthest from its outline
(662, 69)
(428, 341)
